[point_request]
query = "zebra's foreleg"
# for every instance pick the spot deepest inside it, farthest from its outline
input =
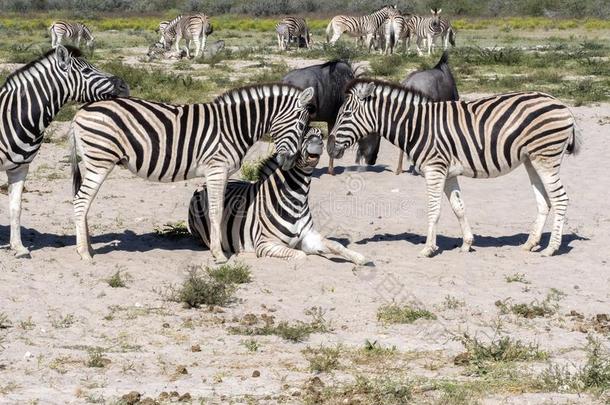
(16, 180)
(435, 183)
(399, 166)
(558, 198)
(314, 244)
(272, 248)
(216, 183)
(94, 177)
(543, 204)
(430, 43)
(204, 40)
(417, 46)
(197, 42)
(454, 195)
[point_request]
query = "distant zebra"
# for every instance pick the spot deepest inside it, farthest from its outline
(29, 100)
(167, 143)
(161, 29)
(289, 28)
(194, 28)
(364, 26)
(397, 28)
(426, 28)
(74, 32)
(272, 216)
(447, 33)
(483, 138)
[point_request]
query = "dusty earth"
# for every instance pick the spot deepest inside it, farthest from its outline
(59, 307)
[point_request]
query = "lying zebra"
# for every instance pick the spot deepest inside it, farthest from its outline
(271, 217)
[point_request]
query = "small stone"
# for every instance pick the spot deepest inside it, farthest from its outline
(166, 325)
(180, 370)
(163, 396)
(147, 401)
(256, 373)
(28, 355)
(195, 348)
(185, 397)
(132, 398)
(296, 393)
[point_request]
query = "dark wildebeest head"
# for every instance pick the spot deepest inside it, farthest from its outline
(436, 84)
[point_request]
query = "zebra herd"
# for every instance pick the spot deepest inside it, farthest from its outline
(485, 138)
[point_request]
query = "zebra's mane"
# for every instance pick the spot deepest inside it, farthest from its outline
(74, 52)
(255, 89)
(390, 85)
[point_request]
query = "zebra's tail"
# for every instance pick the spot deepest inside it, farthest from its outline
(451, 36)
(575, 142)
(328, 28)
(77, 178)
(392, 39)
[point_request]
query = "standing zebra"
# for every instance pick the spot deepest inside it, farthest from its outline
(292, 27)
(29, 100)
(447, 33)
(167, 143)
(74, 32)
(194, 28)
(161, 29)
(364, 26)
(484, 138)
(396, 29)
(271, 217)
(426, 28)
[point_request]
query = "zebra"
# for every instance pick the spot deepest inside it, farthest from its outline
(71, 31)
(161, 29)
(272, 216)
(363, 26)
(168, 143)
(395, 29)
(29, 100)
(426, 28)
(484, 138)
(292, 27)
(194, 28)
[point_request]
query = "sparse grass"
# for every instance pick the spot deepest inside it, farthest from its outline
(27, 324)
(234, 273)
(322, 359)
(534, 309)
(298, 331)
(516, 278)
(394, 313)
(117, 280)
(452, 302)
(96, 358)
(202, 288)
(251, 344)
(251, 170)
(173, 230)
(386, 65)
(500, 349)
(63, 321)
(5, 322)
(365, 391)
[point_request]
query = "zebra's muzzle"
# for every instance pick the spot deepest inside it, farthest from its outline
(286, 160)
(121, 89)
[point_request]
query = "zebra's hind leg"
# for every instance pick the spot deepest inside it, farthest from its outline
(435, 183)
(272, 248)
(454, 195)
(16, 180)
(313, 243)
(94, 177)
(542, 200)
(558, 198)
(216, 184)
(399, 166)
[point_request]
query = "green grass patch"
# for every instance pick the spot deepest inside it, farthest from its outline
(173, 230)
(394, 313)
(322, 359)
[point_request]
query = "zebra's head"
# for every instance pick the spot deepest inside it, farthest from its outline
(85, 82)
(311, 150)
(436, 18)
(288, 128)
(355, 118)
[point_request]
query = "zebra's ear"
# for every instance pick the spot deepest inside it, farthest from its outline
(365, 91)
(306, 97)
(439, 11)
(64, 59)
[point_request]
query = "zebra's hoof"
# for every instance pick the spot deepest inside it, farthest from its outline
(220, 258)
(548, 252)
(428, 251)
(22, 253)
(86, 254)
(529, 246)
(466, 248)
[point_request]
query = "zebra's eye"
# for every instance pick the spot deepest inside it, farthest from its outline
(86, 71)
(347, 114)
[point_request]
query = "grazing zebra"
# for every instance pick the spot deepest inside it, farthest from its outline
(426, 28)
(71, 31)
(447, 33)
(167, 143)
(161, 30)
(194, 28)
(289, 28)
(29, 100)
(364, 26)
(271, 217)
(484, 138)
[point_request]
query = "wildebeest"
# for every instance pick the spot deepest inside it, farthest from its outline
(328, 80)
(436, 83)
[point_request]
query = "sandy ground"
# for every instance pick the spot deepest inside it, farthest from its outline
(59, 306)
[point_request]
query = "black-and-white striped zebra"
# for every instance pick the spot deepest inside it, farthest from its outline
(161, 29)
(194, 28)
(363, 26)
(447, 34)
(396, 29)
(290, 28)
(29, 100)
(271, 217)
(167, 143)
(75, 32)
(426, 29)
(484, 138)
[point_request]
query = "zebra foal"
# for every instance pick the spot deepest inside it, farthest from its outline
(29, 100)
(168, 143)
(484, 138)
(75, 32)
(194, 28)
(289, 28)
(271, 217)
